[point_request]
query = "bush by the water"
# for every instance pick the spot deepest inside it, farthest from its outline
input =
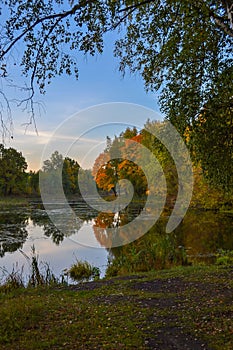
(224, 257)
(146, 254)
(83, 271)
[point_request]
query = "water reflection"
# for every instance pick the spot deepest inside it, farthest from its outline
(59, 250)
(13, 232)
(204, 232)
(201, 232)
(42, 219)
(111, 229)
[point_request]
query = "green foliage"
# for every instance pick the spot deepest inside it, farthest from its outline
(50, 31)
(86, 181)
(54, 163)
(155, 251)
(211, 139)
(224, 257)
(58, 169)
(208, 196)
(70, 172)
(13, 165)
(33, 183)
(183, 49)
(83, 271)
(167, 166)
(40, 276)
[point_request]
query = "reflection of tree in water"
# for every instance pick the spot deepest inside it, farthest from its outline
(13, 233)
(101, 222)
(116, 222)
(154, 250)
(13, 226)
(204, 232)
(41, 218)
(201, 232)
(51, 231)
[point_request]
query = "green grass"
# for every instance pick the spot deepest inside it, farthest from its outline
(13, 201)
(121, 313)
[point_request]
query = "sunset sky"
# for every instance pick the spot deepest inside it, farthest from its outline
(99, 83)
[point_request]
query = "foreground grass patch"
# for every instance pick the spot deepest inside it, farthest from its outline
(13, 201)
(62, 318)
(160, 310)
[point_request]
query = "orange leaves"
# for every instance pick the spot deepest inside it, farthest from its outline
(119, 161)
(103, 172)
(100, 163)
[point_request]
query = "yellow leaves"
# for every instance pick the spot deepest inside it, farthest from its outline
(201, 118)
(108, 169)
(187, 134)
(100, 162)
(110, 186)
(123, 164)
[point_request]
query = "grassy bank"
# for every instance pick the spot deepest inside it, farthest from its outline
(186, 307)
(13, 201)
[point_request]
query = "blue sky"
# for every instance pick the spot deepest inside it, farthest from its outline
(99, 82)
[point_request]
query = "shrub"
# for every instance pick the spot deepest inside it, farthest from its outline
(153, 252)
(224, 257)
(83, 271)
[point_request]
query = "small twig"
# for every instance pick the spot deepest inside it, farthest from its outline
(136, 5)
(5, 129)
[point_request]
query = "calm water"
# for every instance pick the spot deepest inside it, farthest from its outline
(201, 233)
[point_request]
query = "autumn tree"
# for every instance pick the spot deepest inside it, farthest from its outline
(119, 161)
(183, 49)
(104, 174)
(129, 167)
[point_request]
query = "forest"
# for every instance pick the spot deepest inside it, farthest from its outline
(121, 159)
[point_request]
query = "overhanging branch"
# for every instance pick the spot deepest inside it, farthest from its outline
(60, 16)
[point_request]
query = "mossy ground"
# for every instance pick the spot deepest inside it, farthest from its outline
(182, 308)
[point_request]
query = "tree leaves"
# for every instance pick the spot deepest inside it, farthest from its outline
(12, 171)
(182, 49)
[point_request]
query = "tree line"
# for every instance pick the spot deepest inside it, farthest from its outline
(123, 159)
(182, 49)
(15, 180)
(130, 155)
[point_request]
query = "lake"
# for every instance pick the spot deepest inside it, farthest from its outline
(202, 233)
